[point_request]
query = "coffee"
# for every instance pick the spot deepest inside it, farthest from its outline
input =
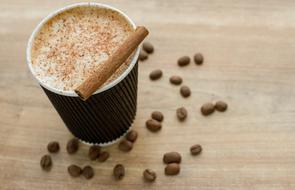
(172, 169)
(196, 149)
(198, 58)
(171, 157)
(148, 47)
(53, 147)
(153, 125)
(181, 113)
(185, 91)
(221, 106)
(72, 146)
(46, 162)
(125, 145)
(183, 61)
(119, 171)
(149, 175)
(132, 135)
(207, 108)
(73, 43)
(156, 74)
(88, 172)
(176, 80)
(103, 156)
(156, 115)
(93, 152)
(74, 170)
(143, 55)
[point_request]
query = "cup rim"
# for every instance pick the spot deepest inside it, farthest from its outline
(63, 9)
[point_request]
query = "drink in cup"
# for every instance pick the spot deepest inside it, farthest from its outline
(64, 50)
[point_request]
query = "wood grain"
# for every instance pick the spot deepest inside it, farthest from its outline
(249, 62)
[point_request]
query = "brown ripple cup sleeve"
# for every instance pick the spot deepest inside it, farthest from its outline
(107, 68)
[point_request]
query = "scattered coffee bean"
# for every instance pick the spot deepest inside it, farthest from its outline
(207, 109)
(46, 162)
(156, 115)
(171, 157)
(119, 171)
(53, 147)
(94, 152)
(103, 156)
(72, 146)
(125, 145)
(183, 61)
(143, 55)
(88, 172)
(181, 113)
(74, 170)
(176, 80)
(148, 47)
(198, 58)
(172, 169)
(220, 106)
(185, 91)
(156, 74)
(196, 149)
(153, 125)
(149, 175)
(131, 135)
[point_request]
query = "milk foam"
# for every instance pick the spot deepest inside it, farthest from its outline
(72, 44)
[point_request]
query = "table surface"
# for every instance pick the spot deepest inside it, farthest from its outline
(249, 62)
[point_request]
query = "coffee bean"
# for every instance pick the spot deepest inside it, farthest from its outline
(172, 169)
(176, 80)
(103, 156)
(125, 145)
(74, 170)
(196, 149)
(153, 125)
(143, 55)
(148, 47)
(149, 175)
(131, 136)
(183, 61)
(88, 172)
(119, 171)
(220, 106)
(72, 146)
(156, 115)
(207, 109)
(53, 147)
(156, 74)
(198, 58)
(94, 152)
(185, 91)
(171, 157)
(181, 113)
(46, 162)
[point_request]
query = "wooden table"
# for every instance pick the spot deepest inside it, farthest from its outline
(249, 63)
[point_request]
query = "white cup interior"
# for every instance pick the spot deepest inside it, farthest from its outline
(53, 14)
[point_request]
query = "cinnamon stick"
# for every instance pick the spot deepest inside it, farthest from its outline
(107, 68)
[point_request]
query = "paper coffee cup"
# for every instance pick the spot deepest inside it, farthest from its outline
(109, 113)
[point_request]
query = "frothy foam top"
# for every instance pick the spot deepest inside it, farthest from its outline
(70, 45)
